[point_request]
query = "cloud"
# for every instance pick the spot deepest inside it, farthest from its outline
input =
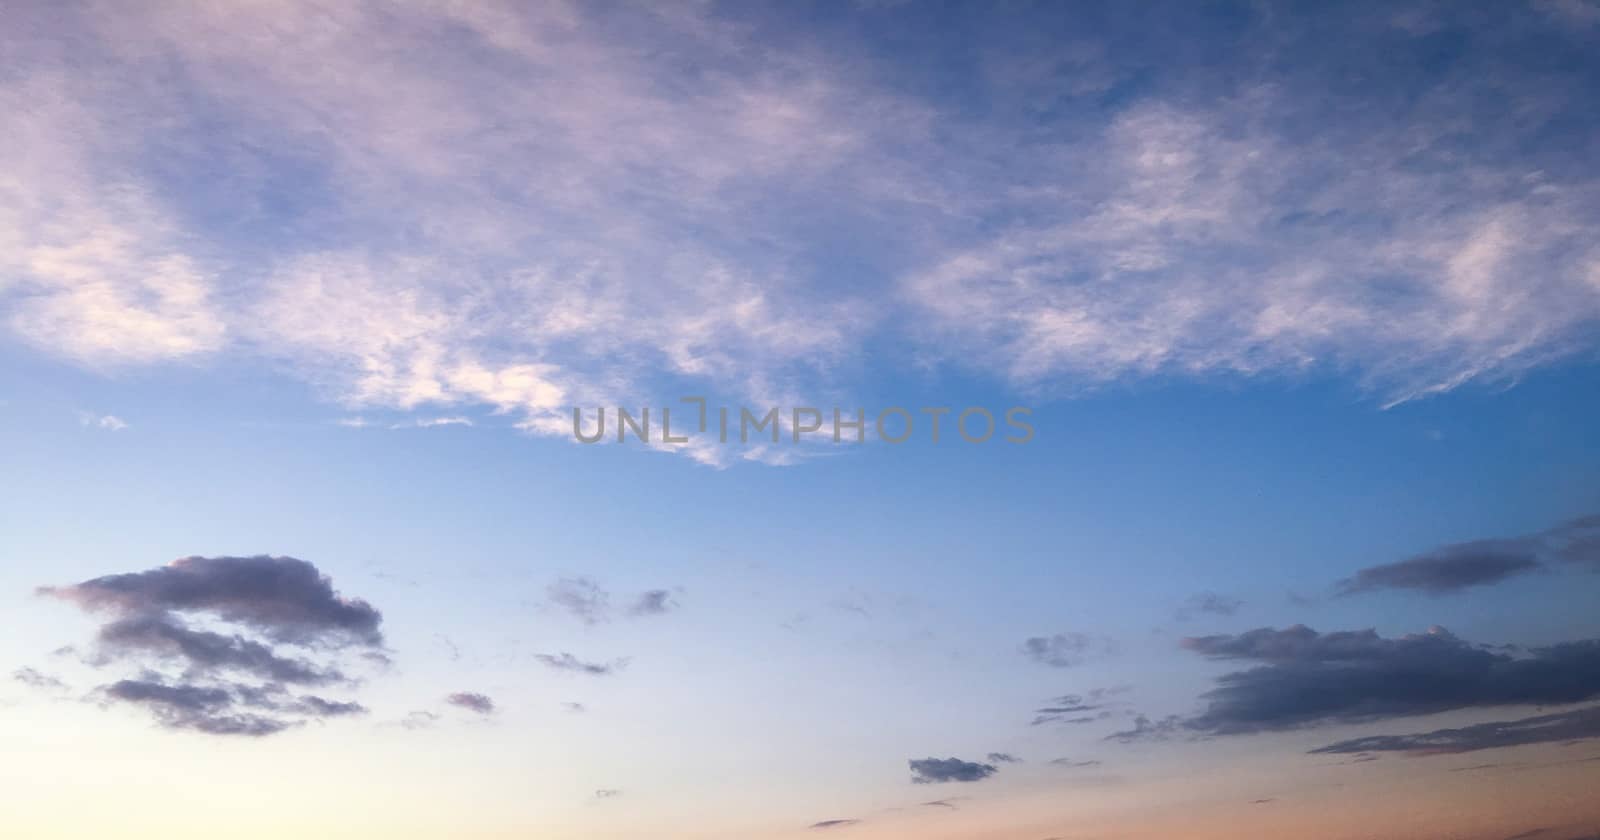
(557, 199)
(586, 600)
(433, 423)
(419, 719)
(926, 771)
(607, 793)
(568, 662)
(1560, 727)
(1068, 762)
(1095, 705)
(1146, 728)
(1310, 678)
(581, 597)
(654, 602)
(1218, 241)
(1065, 650)
(283, 598)
(1003, 758)
(575, 708)
(1452, 568)
(218, 643)
(1210, 603)
(472, 702)
(825, 824)
(104, 422)
(36, 679)
(212, 708)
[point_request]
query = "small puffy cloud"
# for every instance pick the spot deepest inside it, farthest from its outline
(926, 771)
(1208, 603)
(1146, 728)
(654, 602)
(585, 599)
(37, 679)
(568, 662)
(472, 702)
(104, 422)
(420, 719)
(1065, 650)
(221, 644)
(581, 597)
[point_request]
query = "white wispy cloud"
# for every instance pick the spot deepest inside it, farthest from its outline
(547, 209)
(104, 422)
(1199, 247)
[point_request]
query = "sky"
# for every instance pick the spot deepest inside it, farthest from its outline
(1287, 316)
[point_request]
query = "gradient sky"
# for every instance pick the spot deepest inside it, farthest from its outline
(297, 299)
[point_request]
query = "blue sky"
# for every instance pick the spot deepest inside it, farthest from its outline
(1292, 291)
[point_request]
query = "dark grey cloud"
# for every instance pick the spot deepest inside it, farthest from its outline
(219, 644)
(283, 598)
(224, 710)
(197, 708)
(37, 679)
(943, 803)
(202, 651)
(1453, 568)
(568, 662)
(926, 771)
(654, 602)
(1208, 603)
(834, 824)
(1561, 727)
(472, 701)
(1450, 568)
(1068, 762)
(1311, 678)
(1064, 650)
(1003, 758)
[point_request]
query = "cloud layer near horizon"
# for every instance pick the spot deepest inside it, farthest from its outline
(544, 208)
(1308, 678)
